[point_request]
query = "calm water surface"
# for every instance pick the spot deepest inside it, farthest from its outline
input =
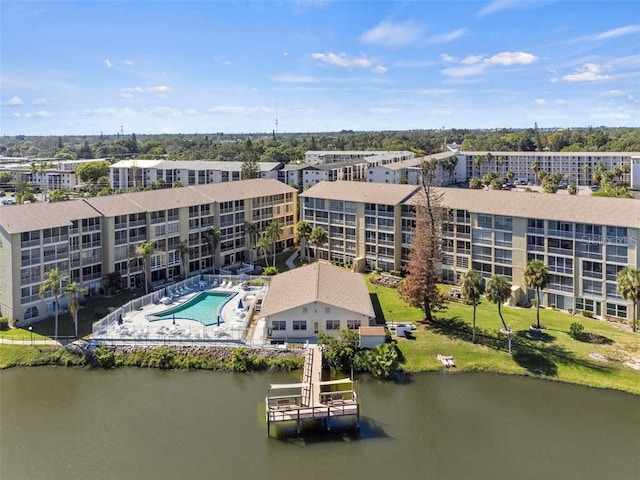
(59, 423)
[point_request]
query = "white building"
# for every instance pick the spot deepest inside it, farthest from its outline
(316, 298)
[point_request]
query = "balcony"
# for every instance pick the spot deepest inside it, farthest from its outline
(559, 233)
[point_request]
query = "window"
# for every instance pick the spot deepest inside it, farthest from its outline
(333, 324)
(353, 324)
(617, 253)
(305, 310)
(503, 239)
(327, 309)
(482, 236)
(561, 265)
(485, 221)
(615, 310)
(299, 324)
(591, 287)
(278, 325)
(592, 269)
(503, 223)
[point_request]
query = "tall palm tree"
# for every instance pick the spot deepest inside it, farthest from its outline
(498, 291)
(252, 231)
(536, 275)
(185, 251)
(472, 287)
(318, 238)
(303, 231)
(264, 243)
(274, 233)
(535, 167)
(53, 283)
(144, 251)
(213, 238)
(72, 290)
(629, 287)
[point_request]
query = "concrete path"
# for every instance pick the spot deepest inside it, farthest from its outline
(291, 259)
(20, 341)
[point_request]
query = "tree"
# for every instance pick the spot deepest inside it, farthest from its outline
(264, 243)
(72, 290)
(303, 232)
(475, 183)
(629, 287)
(53, 283)
(144, 251)
(92, 171)
(185, 251)
(274, 234)
(535, 167)
(498, 291)
(472, 288)
(318, 237)
(250, 167)
(536, 275)
(252, 232)
(212, 239)
(419, 288)
(572, 189)
(59, 195)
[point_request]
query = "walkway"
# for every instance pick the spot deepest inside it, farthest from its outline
(291, 259)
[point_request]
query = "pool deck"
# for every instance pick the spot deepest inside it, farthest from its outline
(136, 329)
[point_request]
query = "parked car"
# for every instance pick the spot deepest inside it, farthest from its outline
(594, 188)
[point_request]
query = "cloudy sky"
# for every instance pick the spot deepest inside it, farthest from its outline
(86, 67)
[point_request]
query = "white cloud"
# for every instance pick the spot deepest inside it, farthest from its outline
(383, 110)
(40, 114)
(285, 54)
(165, 112)
(292, 78)
(540, 101)
(238, 110)
(40, 101)
(128, 63)
(191, 112)
(379, 69)
(108, 63)
(447, 37)
(108, 112)
(448, 58)
(14, 102)
(159, 91)
(511, 58)
(613, 93)
(342, 60)
(589, 72)
(15, 115)
(617, 32)
(392, 35)
(560, 101)
(499, 5)
(476, 64)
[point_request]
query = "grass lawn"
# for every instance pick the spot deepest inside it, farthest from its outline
(554, 355)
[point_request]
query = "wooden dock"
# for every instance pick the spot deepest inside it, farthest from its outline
(311, 398)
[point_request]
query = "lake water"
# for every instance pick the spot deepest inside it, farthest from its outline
(148, 424)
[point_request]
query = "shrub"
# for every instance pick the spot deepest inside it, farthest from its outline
(161, 357)
(4, 323)
(569, 310)
(104, 356)
(586, 313)
(240, 360)
(576, 329)
(269, 271)
(553, 305)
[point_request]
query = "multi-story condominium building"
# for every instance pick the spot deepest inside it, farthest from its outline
(90, 238)
(127, 174)
(54, 174)
(364, 221)
(372, 157)
(576, 167)
(585, 241)
(409, 171)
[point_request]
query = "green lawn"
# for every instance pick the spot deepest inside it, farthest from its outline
(555, 355)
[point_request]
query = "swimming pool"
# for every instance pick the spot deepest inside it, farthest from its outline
(204, 308)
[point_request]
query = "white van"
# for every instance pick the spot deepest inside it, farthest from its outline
(8, 201)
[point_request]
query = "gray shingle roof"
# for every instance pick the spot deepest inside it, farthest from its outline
(381, 193)
(318, 282)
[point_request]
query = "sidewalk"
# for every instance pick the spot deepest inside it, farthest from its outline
(291, 259)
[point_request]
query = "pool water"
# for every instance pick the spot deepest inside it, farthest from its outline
(203, 308)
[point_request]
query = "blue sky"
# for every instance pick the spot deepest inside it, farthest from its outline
(86, 67)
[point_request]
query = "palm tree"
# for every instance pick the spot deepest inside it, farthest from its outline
(144, 251)
(303, 231)
(629, 287)
(53, 283)
(252, 231)
(274, 234)
(472, 287)
(212, 239)
(264, 243)
(185, 251)
(535, 166)
(498, 291)
(72, 290)
(318, 238)
(536, 275)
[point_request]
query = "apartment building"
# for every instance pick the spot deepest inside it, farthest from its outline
(409, 171)
(87, 239)
(372, 157)
(364, 222)
(585, 241)
(576, 167)
(127, 174)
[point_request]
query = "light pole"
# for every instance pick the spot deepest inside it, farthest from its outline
(31, 334)
(509, 337)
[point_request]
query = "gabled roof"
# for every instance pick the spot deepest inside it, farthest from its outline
(380, 193)
(225, 166)
(318, 282)
(36, 216)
